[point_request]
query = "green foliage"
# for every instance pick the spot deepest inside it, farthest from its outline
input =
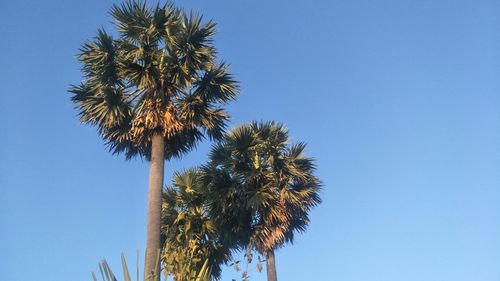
(188, 230)
(108, 275)
(203, 274)
(160, 75)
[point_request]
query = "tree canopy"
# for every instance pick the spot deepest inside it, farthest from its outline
(273, 179)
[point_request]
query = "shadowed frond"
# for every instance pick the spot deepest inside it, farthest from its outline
(216, 85)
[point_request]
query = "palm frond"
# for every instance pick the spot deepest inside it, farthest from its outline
(195, 43)
(216, 85)
(133, 20)
(99, 58)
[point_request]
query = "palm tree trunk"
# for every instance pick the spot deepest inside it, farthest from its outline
(271, 267)
(154, 207)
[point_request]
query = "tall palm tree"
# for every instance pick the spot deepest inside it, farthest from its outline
(275, 180)
(154, 91)
(189, 232)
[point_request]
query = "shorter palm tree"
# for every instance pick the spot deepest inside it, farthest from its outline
(265, 182)
(190, 236)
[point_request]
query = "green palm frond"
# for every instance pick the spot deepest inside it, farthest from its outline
(99, 58)
(104, 108)
(216, 85)
(195, 43)
(133, 20)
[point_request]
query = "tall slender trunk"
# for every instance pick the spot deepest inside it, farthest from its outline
(154, 207)
(271, 267)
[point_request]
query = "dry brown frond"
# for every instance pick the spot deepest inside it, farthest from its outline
(157, 118)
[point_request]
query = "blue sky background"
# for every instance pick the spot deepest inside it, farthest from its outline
(399, 102)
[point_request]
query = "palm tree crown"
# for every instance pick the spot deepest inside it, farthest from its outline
(159, 76)
(273, 176)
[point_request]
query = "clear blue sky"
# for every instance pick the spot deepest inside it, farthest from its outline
(399, 102)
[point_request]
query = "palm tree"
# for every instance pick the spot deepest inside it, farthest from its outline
(154, 91)
(188, 230)
(274, 179)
